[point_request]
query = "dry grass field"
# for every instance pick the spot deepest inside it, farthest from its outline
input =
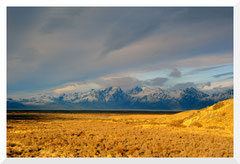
(198, 133)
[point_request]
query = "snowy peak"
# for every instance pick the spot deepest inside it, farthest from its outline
(135, 91)
(227, 94)
(190, 91)
(115, 97)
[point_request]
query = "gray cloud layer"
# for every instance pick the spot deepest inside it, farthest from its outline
(129, 82)
(52, 46)
(184, 85)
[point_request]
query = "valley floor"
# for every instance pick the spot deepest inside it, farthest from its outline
(186, 134)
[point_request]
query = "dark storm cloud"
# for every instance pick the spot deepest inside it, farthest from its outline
(59, 21)
(195, 71)
(20, 20)
(223, 74)
(229, 78)
(134, 25)
(175, 73)
(52, 46)
(207, 69)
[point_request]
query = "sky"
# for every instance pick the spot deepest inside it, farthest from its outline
(57, 50)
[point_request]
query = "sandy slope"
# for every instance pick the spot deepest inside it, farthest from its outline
(218, 116)
(198, 133)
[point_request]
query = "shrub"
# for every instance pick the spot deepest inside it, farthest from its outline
(218, 105)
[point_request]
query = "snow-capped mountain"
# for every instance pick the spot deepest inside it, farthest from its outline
(134, 91)
(115, 97)
(110, 94)
(227, 94)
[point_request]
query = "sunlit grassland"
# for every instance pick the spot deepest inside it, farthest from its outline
(198, 133)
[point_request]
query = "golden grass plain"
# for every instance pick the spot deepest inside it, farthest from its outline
(198, 133)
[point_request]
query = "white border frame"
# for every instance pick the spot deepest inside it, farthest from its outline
(111, 3)
(236, 82)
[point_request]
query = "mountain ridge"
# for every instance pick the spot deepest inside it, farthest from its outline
(116, 98)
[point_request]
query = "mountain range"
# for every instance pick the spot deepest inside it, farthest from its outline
(116, 98)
